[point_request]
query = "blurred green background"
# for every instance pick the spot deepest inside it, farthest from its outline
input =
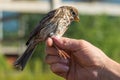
(102, 30)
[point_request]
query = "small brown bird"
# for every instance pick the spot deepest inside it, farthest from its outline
(54, 23)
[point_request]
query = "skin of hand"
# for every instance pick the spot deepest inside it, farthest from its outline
(86, 61)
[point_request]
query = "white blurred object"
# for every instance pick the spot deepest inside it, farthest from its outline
(1, 27)
(1, 33)
(5, 0)
(43, 6)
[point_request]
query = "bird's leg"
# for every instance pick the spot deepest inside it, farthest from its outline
(62, 53)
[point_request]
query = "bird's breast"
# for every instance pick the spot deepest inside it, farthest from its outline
(62, 26)
(55, 27)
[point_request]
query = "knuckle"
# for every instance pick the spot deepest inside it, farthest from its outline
(83, 43)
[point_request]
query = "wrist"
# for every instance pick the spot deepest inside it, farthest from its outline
(110, 71)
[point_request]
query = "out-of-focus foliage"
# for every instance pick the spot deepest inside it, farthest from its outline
(101, 30)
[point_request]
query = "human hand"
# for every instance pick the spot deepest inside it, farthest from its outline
(86, 62)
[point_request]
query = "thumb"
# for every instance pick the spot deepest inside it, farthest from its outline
(67, 43)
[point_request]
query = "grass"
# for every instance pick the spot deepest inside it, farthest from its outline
(36, 73)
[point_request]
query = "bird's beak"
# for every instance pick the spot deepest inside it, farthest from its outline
(77, 19)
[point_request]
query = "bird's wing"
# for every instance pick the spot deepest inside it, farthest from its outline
(40, 25)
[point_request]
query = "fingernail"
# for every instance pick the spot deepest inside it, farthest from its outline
(55, 37)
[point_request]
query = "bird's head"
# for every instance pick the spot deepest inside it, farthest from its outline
(73, 13)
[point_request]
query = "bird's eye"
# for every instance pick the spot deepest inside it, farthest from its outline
(73, 13)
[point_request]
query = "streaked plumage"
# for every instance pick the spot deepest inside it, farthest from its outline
(54, 23)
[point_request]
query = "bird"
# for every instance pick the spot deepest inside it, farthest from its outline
(55, 23)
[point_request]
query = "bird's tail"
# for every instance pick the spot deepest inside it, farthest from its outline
(23, 59)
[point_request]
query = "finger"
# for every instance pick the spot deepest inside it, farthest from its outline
(51, 51)
(60, 69)
(79, 48)
(50, 59)
(66, 43)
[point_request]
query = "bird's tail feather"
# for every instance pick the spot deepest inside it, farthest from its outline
(23, 59)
